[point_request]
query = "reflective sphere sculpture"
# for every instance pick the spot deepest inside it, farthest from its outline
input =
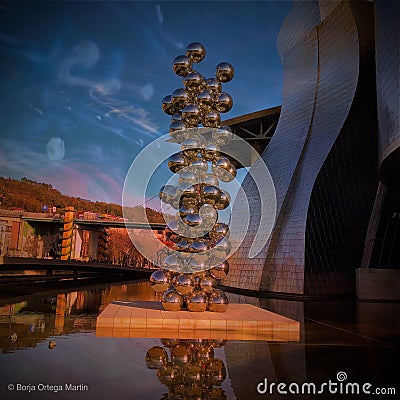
(199, 166)
(224, 102)
(210, 152)
(222, 247)
(212, 119)
(194, 83)
(197, 301)
(217, 301)
(176, 129)
(156, 357)
(211, 194)
(191, 115)
(223, 201)
(219, 231)
(181, 355)
(214, 86)
(205, 101)
(191, 147)
(208, 214)
(167, 105)
(224, 169)
(160, 280)
(199, 246)
(177, 162)
(182, 65)
(172, 301)
(224, 72)
(220, 271)
(172, 263)
(207, 284)
(183, 284)
(179, 98)
(209, 180)
(195, 52)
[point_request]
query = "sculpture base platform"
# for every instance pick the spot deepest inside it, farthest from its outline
(147, 319)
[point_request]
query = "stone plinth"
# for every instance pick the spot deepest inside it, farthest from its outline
(147, 319)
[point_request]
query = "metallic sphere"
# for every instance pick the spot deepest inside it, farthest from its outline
(223, 135)
(176, 117)
(208, 214)
(220, 271)
(176, 162)
(160, 280)
(172, 263)
(224, 72)
(224, 102)
(176, 129)
(187, 210)
(199, 246)
(209, 179)
(199, 166)
(219, 231)
(211, 194)
(207, 284)
(222, 247)
(193, 220)
(179, 98)
(191, 115)
(182, 66)
(195, 52)
(183, 284)
(205, 101)
(156, 357)
(183, 245)
(197, 301)
(194, 83)
(172, 301)
(212, 119)
(217, 301)
(187, 177)
(216, 372)
(214, 86)
(181, 355)
(189, 195)
(196, 265)
(191, 147)
(223, 201)
(224, 169)
(169, 374)
(167, 105)
(210, 152)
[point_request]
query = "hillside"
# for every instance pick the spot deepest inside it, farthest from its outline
(31, 196)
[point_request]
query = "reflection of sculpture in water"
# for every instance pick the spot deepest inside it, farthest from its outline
(199, 244)
(188, 368)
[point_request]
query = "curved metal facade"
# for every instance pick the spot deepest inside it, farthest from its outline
(322, 157)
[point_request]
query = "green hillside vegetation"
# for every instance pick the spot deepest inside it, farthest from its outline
(29, 195)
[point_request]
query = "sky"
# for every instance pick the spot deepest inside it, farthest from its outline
(81, 82)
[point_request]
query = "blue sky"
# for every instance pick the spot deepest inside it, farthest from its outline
(81, 83)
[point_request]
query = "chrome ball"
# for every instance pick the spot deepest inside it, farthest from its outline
(209, 180)
(156, 357)
(224, 72)
(210, 152)
(219, 230)
(199, 166)
(197, 301)
(205, 101)
(208, 214)
(224, 169)
(176, 162)
(172, 263)
(182, 65)
(179, 98)
(191, 147)
(194, 83)
(172, 301)
(199, 246)
(176, 117)
(224, 102)
(212, 119)
(197, 265)
(167, 105)
(211, 194)
(187, 210)
(223, 201)
(188, 177)
(183, 284)
(207, 284)
(220, 271)
(191, 115)
(183, 245)
(181, 355)
(223, 135)
(222, 247)
(177, 129)
(192, 220)
(195, 52)
(160, 280)
(214, 86)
